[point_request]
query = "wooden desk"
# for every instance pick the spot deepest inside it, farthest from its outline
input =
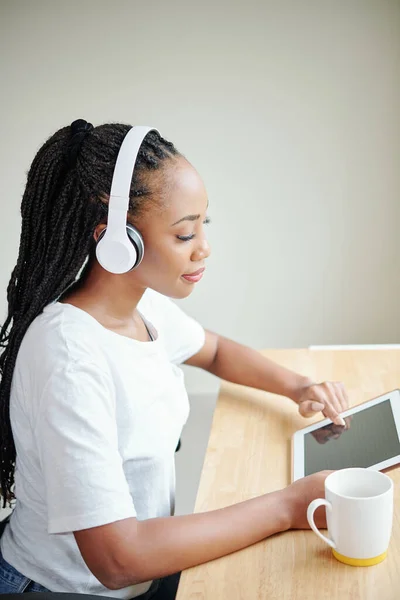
(249, 454)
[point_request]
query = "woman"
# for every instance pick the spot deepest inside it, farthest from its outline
(92, 400)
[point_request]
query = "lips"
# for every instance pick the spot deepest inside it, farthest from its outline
(195, 273)
(195, 276)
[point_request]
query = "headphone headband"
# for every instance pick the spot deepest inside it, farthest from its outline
(116, 251)
(118, 204)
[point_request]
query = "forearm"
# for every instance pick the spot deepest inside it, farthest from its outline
(173, 544)
(130, 551)
(245, 366)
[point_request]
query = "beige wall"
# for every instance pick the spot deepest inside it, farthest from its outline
(290, 112)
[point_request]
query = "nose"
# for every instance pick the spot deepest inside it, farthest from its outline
(202, 250)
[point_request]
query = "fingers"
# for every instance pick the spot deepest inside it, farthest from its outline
(334, 416)
(308, 408)
(328, 397)
(333, 406)
(343, 400)
(342, 396)
(347, 420)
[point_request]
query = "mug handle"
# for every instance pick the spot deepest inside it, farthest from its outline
(310, 518)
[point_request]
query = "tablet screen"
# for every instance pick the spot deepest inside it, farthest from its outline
(371, 437)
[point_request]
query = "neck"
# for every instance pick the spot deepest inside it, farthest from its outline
(107, 297)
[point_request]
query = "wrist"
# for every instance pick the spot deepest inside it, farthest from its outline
(298, 388)
(289, 507)
(286, 509)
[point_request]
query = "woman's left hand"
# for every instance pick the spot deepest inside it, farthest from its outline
(329, 397)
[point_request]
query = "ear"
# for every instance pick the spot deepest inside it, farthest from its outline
(99, 228)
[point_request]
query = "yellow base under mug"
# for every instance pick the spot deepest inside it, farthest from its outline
(359, 562)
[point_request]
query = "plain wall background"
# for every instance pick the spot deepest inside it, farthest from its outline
(288, 109)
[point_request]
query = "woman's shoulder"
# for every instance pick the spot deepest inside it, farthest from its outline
(62, 333)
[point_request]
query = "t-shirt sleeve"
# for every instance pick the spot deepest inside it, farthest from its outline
(76, 432)
(182, 336)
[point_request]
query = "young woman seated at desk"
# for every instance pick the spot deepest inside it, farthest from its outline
(92, 398)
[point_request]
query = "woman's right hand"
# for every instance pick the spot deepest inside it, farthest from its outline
(297, 496)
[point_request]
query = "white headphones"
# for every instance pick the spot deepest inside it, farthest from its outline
(120, 246)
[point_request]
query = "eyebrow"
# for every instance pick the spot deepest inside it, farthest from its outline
(187, 218)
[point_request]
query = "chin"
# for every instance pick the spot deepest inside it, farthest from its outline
(179, 291)
(180, 294)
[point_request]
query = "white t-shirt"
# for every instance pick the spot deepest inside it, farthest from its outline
(96, 418)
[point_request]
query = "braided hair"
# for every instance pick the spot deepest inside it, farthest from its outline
(65, 198)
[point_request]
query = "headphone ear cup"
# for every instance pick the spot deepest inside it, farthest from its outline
(120, 256)
(136, 238)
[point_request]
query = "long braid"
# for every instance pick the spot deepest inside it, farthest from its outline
(64, 200)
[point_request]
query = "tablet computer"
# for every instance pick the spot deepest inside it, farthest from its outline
(370, 439)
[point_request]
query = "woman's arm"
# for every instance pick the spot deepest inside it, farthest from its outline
(131, 551)
(239, 364)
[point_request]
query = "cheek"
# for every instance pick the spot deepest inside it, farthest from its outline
(162, 268)
(166, 257)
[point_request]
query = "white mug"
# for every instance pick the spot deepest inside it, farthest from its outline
(359, 513)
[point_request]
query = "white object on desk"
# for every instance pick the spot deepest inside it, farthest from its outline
(359, 513)
(364, 443)
(357, 347)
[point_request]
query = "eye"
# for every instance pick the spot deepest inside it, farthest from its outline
(187, 238)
